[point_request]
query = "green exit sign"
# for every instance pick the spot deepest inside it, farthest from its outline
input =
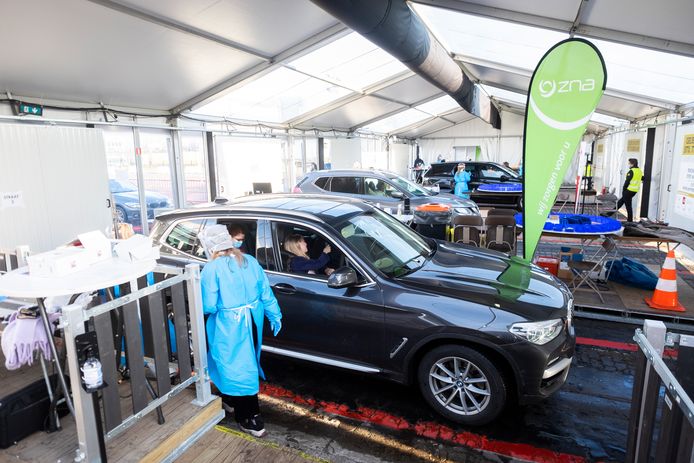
(29, 108)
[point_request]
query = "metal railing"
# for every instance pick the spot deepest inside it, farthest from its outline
(142, 313)
(675, 438)
(13, 259)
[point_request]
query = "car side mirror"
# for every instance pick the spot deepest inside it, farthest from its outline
(504, 178)
(343, 277)
(397, 194)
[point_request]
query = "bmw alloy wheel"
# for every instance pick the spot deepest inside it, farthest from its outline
(460, 386)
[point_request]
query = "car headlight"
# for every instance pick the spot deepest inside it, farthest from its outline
(132, 205)
(537, 332)
(569, 311)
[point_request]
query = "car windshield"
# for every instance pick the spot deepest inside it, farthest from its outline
(410, 187)
(116, 186)
(386, 243)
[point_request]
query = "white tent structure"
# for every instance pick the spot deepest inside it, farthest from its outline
(274, 76)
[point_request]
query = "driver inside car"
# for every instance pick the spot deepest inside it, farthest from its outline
(300, 262)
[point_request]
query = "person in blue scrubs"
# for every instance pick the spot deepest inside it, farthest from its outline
(236, 296)
(461, 177)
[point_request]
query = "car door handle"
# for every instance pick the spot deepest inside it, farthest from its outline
(284, 288)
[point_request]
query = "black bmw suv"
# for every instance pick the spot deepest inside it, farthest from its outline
(481, 173)
(471, 327)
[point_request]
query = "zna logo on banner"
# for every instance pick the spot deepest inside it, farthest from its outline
(549, 87)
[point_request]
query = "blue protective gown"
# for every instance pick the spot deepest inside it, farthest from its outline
(236, 300)
(461, 178)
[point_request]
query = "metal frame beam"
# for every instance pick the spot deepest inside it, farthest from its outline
(331, 33)
(423, 122)
(169, 23)
(369, 91)
(397, 111)
(424, 135)
(636, 98)
(627, 38)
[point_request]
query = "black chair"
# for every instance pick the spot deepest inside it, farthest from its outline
(504, 212)
(501, 233)
(467, 229)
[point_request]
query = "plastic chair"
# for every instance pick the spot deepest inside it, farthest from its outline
(583, 270)
(467, 229)
(501, 233)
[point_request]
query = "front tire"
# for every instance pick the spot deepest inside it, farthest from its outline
(462, 384)
(121, 215)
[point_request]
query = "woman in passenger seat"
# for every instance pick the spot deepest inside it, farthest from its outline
(300, 262)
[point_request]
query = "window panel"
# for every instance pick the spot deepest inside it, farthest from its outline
(276, 97)
(352, 61)
(398, 121)
(184, 238)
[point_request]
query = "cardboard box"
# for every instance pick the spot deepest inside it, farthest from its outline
(96, 243)
(60, 262)
(564, 271)
(137, 248)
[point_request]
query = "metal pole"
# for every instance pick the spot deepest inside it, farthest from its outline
(54, 352)
(85, 414)
(140, 182)
(197, 328)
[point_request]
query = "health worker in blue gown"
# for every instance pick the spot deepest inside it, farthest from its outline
(236, 296)
(461, 178)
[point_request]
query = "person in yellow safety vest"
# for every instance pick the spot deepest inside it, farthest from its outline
(632, 184)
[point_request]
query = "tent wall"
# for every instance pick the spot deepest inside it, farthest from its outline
(41, 168)
(495, 145)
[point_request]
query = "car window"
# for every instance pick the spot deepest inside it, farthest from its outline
(492, 172)
(386, 243)
(377, 187)
(322, 182)
(409, 186)
(237, 227)
(350, 185)
(440, 170)
(286, 233)
(117, 186)
(184, 237)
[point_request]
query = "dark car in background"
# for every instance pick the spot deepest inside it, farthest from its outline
(482, 173)
(472, 328)
(127, 200)
(383, 188)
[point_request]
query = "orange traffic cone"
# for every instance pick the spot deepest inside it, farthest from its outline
(665, 294)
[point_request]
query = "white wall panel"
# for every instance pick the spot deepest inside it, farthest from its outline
(61, 175)
(345, 153)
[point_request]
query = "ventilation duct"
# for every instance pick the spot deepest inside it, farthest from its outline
(391, 25)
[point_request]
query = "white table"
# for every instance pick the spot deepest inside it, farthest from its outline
(104, 274)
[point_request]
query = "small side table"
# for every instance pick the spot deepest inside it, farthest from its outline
(104, 274)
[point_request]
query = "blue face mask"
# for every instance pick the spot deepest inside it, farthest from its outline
(238, 244)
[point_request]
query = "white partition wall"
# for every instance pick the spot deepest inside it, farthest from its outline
(54, 185)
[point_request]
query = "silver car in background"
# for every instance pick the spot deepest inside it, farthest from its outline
(385, 189)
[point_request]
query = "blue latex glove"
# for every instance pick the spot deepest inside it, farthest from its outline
(276, 327)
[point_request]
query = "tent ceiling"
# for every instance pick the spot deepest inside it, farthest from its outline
(175, 55)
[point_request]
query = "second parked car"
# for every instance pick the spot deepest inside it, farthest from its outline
(377, 187)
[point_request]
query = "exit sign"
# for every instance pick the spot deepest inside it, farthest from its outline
(28, 108)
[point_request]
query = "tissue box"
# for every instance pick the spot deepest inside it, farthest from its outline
(96, 243)
(60, 262)
(137, 248)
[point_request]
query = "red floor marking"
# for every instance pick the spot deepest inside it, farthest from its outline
(670, 353)
(428, 429)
